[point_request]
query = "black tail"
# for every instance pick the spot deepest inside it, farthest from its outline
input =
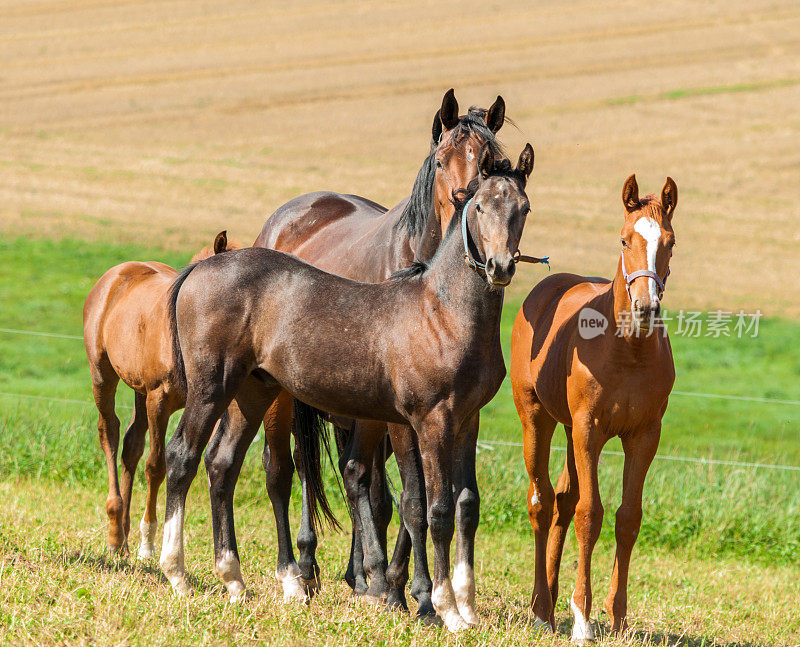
(177, 356)
(311, 435)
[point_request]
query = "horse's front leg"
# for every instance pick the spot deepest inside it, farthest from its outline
(436, 443)
(639, 452)
(467, 516)
(237, 428)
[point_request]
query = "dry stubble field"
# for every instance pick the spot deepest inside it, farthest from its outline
(160, 123)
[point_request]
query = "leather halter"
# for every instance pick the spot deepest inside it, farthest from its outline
(630, 278)
(477, 265)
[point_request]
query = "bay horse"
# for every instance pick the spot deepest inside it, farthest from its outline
(126, 335)
(421, 349)
(356, 238)
(610, 378)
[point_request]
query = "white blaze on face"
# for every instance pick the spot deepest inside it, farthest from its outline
(650, 230)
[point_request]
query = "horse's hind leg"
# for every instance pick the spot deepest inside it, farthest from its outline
(104, 387)
(159, 410)
(132, 449)
(306, 536)
(538, 427)
(357, 476)
(639, 452)
(184, 451)
(566, 500)
(237, 428)
(279, 470)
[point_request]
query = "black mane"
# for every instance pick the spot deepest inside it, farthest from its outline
(420, 204)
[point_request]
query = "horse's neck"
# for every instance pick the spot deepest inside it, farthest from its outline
(462, 290)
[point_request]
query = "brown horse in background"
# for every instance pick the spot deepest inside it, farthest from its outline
(356, 238)
(127, 337)
(591, 354)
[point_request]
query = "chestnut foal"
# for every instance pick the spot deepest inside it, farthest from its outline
(126, 334)
(255, 322)
(598, 385)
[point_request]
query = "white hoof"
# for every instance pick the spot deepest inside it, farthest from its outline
(146, 551)
(237, 593)
(454, 622)
(464, 589)
(293, 588)
(147, 546)
(582, 632)
(181, 587)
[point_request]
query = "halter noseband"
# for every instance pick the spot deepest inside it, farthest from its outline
(630, 278)
(477, 265)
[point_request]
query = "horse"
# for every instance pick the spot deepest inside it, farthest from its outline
(126, 335)
(359, 239)
(249, 324)
(585, 352)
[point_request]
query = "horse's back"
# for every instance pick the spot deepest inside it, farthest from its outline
(125, 320)
(343, 234)
(544, 336)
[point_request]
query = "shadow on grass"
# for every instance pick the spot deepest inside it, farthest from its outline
(116, 564)
(641, 637)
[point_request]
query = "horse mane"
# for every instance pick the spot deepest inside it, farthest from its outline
(420, 205)
(417, 268)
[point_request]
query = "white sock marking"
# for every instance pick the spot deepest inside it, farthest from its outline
(650, 230)
(444, 602)
(582, 631)
(230, 572)
(172, 553)
(147, 544)
(293, 588)
(464, 588)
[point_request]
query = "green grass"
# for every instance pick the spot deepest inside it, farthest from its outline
(716, 561)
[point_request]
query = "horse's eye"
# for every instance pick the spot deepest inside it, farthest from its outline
(439, 165)
(622, 240)
(478, 208)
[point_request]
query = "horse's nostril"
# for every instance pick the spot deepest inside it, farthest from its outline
(490, 266)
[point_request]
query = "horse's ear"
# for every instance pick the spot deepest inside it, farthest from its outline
(525, 163)
(436, 131)
(669, 197)
(496, 115)
(221, 242)
(448, 113)
(630, 194)
(486, 161)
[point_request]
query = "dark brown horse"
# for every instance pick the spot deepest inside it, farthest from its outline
(588, 353)
(358, 239)
(420, 349)
(127, 337)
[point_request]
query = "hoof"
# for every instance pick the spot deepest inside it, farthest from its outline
(312, 587)
(396, 602)
(293, 588)
(454, 622)
(541, 627)
(181, 588)
(429, 620)
(470, 616)
(146, 551)
(237, 595)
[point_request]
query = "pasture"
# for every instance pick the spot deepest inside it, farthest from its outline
(137, 130)
(716, 562)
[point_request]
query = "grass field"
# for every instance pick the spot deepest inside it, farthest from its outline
(716, 561)
(138, 129)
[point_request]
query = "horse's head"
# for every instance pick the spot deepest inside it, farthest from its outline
(647, 240)
(221, 244)
(495, 215)
(457, 143)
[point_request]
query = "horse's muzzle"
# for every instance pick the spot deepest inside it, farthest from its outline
(500, 273)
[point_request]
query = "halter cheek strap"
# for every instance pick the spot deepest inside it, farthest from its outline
(630, 278)
(477, 265)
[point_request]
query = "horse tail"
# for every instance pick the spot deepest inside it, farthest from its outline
(311, 437)
(177, 355)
